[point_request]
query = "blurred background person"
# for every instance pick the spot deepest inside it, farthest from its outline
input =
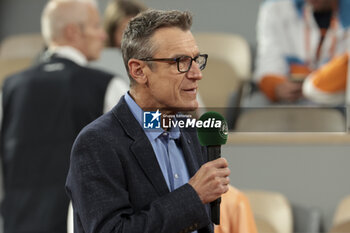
(236, 215)
(44, 108)
(117, 15)
(295, 37)
(328, 84)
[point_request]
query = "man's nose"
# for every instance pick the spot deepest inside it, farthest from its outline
(195, 72)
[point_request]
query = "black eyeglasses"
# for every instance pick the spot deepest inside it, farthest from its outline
(184, 63)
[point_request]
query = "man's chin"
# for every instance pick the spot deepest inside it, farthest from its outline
(185, 107)
(191, 106)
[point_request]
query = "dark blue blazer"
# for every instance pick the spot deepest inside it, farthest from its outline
(116, 184)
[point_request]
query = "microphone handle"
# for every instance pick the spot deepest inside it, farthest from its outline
(214, 152)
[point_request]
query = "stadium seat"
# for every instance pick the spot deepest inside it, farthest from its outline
(341, 220)
(272, 211)
(298, 119)
(10, 66)
(21, 46)
(228, 67)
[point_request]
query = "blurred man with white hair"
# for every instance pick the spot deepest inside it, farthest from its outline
(44, 108)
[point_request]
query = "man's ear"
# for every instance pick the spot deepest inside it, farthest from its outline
(71, 32)
(137, 70)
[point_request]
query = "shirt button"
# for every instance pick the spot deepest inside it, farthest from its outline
(176, 176)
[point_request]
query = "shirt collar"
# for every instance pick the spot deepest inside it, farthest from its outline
(152, 134)
(70, 53)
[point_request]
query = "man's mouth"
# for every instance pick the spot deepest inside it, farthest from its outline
(191, 90)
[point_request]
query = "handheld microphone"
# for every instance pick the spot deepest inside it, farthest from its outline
(213, 137)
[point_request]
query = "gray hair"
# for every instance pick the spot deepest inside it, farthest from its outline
(136, 42)
(59, 13)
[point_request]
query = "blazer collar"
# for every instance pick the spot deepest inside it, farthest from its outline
(141, 147)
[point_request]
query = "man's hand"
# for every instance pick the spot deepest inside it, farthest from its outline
(289, 91)
(211, 180)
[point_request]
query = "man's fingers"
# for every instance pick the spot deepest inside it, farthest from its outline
(223, 172)
(219, 163)
(226, 180)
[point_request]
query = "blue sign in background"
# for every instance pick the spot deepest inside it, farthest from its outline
(344, 13)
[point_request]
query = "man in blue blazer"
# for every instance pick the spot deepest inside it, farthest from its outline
(127, 178)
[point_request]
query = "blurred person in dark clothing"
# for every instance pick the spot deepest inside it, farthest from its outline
(44, 108)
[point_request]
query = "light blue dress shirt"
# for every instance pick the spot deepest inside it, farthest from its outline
(166, 147)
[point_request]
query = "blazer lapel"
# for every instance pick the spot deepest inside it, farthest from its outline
(190, 153)
(143, 151)
(141, 148)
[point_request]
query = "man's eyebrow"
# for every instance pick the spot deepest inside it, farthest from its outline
(179, 55)
(183, 55)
